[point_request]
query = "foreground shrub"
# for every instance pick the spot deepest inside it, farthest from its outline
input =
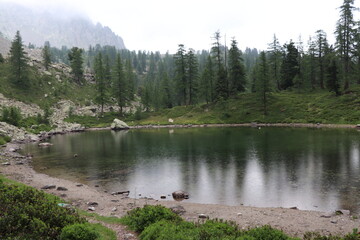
(140, 218)
(218, 229)
(267, 233)
(11, 115)
(26, 213)
(164, 230)
(79, 232)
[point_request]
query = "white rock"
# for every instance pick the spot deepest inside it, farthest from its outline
(119, 125)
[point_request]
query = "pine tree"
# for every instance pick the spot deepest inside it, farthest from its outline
(18, 63)
(180, 74)
(237, 79)
(192, 76)
(262, 81)
(221, 85)
(130, 80)
(101, 86)
(46, 54)
(207, 81)
(290, 66)
(321, 46)
(275, 59)
(333, 80)
(119, 84)
(76, 64)
(345, 35)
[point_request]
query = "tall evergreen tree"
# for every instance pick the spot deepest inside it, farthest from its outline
(46, 54)
(275, 59)
(221, 85)
(119, 84)
(237, 78)
(18, 63)
(180, 74)
(207, 81)
(345, 35)
(321, 46)
(2, 60)
(76, 63)
(333, 79)
(290, 66)
(192, 76)
(101, 83)
(130, 80)
(262, 81)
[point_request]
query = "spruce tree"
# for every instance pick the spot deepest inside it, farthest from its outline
(101, 86)
(192, 76)
(18, 63)
(2, 60)
(207, 81)
(119, 84)
(180, 74)
(290, 66)
(345, 35)
(262, 84)
(46, 54)
(76, 64)
(237, 79)
(221, 85)
(275, 59)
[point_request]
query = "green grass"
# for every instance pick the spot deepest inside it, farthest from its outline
(284, 107)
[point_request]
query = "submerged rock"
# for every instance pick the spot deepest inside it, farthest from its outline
(119, 125)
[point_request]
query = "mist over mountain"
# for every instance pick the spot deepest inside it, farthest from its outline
(59, 27)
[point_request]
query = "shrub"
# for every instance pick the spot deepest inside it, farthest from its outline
(218, 229)
(140, 218)
(26, 213)
(164, 230)
(79, 232)
(267, 233)
(11, 115)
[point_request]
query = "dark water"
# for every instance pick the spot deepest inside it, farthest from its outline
(279, 167)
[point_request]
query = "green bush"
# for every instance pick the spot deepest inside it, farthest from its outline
(218, 229)
(11, 115)
(140, 218)
(267, 233)
(80, 231)
(164, 230)
(26, 213)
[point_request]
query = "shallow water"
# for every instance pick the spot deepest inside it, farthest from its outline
(314, 169)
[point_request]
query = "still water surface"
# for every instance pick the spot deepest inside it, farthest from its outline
(316, 169)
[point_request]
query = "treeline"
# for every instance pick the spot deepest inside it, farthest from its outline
(190, 77)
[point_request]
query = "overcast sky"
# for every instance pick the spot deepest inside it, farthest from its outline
(160, 25)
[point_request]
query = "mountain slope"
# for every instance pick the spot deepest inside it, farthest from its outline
(61, 29)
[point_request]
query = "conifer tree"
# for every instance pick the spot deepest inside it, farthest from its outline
(180, 74)
(207, 81)
(101, 86)
(333, 80)
(18, 63)
(290, 66)
(262, 81)
(46, 54)
(2, 60)
(192, 76)
(76, 63)
(345, 35)
(119, 84)
(275, 59)
(237, 79)
(221, 85)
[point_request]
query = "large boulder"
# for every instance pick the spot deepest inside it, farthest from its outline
(118, 125)
(180, 195)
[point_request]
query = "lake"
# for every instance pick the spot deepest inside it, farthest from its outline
(313, 169)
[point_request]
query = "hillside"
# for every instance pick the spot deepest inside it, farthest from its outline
(4, 45)
(60, 29)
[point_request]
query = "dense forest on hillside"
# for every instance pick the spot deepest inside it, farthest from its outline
(190, 78)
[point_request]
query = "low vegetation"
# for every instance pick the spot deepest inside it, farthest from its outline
(160, 223)
(26, 213)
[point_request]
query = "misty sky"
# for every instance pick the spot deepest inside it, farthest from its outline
(160, 25)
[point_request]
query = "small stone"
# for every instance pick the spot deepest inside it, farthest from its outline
(19, 163)
(178, 209)
(294, 208)
(163, 197)
(5, 164)
(49, 187)
(129, 236)
(333, 221)
(75, 155)
(12, 150)
(45, 144)
(79, 185)
(114, 209)
(342, 212)
(326, 216)
(97, 185)
(91, 208)
(203, 216)
(115, 200)
(92, 203)
(62, 189)
(239, 214)
(63, 195)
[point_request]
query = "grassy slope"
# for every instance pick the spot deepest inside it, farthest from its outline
(284, 107)
(42, 84)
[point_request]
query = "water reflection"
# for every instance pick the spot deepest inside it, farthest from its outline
(308, 168)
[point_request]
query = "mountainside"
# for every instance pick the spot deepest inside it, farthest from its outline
(4, 45)
(60, 29)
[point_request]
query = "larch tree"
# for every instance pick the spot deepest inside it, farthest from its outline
(18, 63)
(76, 64)
(46, 55)
(275, 59)
(236, 70)
(345, 35)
